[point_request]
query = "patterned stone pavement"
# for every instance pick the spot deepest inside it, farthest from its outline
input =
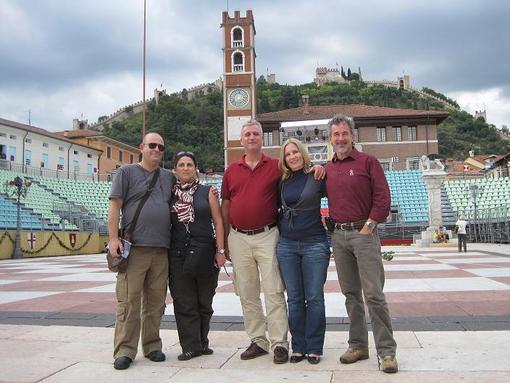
(426, 289)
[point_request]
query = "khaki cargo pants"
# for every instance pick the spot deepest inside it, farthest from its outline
(141, 293)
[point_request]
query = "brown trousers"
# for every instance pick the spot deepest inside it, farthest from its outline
(141, 290)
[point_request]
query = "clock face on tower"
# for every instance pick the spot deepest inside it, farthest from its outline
(239, 98)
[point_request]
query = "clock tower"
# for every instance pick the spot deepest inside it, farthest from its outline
(239, 101)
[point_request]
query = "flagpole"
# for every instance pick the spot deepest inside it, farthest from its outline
(144, 48)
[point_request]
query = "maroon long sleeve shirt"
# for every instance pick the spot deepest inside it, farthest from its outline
(357, 188)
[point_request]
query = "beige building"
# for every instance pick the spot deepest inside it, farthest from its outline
(115, 153)
(397, 137)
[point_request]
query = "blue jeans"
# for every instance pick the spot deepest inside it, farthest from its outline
(304, 267)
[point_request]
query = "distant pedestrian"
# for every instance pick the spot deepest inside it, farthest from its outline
(461, 226)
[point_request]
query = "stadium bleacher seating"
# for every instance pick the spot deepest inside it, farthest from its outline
(492, 194)
(408, 193)
(8, 216)
(91, 195)
(39, 200)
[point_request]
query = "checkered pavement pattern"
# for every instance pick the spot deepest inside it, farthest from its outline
(419, 282)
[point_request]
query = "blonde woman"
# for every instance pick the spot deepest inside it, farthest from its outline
(302, 251)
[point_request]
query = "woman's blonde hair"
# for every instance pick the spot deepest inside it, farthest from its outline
(282, 164)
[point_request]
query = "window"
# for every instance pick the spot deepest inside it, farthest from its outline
(89, 155)
(385, 165)
(60, 165)
(411, 133)
(28, 157)
(356, 135)
(28, 140)
(2, 134)
(12, 137)
(381, 134)
(45, 145)
(44, 162)
(75, 152)
(108, 152)
(268, 138)
(90, 169)
(237, 37)
(76, 166)
(238, 62)
(413, 164)
(131, 159)
(121, 156)
(397, 133)
(61, 148)
(12, 153)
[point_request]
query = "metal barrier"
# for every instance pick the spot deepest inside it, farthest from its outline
(489, 225)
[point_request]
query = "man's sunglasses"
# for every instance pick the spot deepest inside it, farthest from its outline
(153, 146)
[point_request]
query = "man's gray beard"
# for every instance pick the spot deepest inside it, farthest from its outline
(342, 149)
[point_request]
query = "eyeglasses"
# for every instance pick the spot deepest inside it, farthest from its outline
(184, 154)
(153, 146)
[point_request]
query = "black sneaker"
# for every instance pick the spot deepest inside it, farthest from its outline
(156, 356)
(122, 362)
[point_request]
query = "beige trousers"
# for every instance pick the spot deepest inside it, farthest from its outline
(254, 260)
(141, 293)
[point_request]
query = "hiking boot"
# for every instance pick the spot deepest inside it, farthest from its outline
(388, 364)
(281, 355)
(353, 355)
(253, 351)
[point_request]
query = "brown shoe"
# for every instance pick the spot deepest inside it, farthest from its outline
(388, 364)
(281, 355)
(253, 351)
(353, 355)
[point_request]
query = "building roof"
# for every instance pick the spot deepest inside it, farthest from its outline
(43, 132)
(79, 133)
(88, 133)
(359, 112)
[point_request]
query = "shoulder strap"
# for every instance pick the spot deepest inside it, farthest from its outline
(132, 225)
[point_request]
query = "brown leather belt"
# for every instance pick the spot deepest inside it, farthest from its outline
(358, 225)
(255, 231)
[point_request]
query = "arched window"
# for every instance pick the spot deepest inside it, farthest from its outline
(238, 62)
(237, 37)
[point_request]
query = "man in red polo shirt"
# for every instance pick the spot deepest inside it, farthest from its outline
(249, 207)
(359, 199)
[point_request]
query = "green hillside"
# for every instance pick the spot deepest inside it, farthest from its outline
(197, 125)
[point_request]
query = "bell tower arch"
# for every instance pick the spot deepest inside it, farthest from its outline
(239, 99)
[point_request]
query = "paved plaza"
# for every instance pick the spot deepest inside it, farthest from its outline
(451, 314)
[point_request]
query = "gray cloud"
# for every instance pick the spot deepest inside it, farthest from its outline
(63, 58)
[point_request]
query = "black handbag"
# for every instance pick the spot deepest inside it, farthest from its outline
(119, 263)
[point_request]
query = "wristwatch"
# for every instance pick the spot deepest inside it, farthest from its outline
(220, 251)
(371, 225)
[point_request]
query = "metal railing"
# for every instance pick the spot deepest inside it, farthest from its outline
(35, 171)
(490, 225)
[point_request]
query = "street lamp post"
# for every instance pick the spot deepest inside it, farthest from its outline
(474, 189)
(17, 187)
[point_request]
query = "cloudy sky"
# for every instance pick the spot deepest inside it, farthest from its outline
(65, 59)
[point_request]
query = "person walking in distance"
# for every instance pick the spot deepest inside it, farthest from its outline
(461, 226)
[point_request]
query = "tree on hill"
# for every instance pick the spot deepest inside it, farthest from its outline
(460, 133)
(197, 125)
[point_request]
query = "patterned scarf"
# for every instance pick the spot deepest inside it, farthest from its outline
(184, 204)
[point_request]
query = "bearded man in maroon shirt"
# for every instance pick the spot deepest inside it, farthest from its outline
(359, 199)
